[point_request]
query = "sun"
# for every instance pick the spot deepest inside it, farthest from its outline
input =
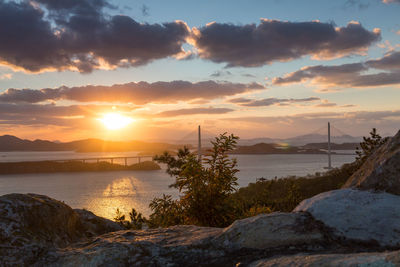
(115, 121)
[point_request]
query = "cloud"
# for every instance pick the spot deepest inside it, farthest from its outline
(349, 75)
(356, 3)
(391, 1)
(220, 73)
(51, 114)
(193, 111)
(253, 45)
(6, 76)
(248, 75)
(77, 35)
(326, 105)
(354, 123)
(246, 102)
(390, 61)
(135, 92)
(145, 10)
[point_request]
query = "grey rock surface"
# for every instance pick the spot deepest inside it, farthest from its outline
(378, 259)
(381, 171)
(94, 225)
(31, 225)
(273, 230)
(357, 215)
(36, 230)
(174, 246)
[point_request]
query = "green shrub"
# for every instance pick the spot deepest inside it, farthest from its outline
(205, 186)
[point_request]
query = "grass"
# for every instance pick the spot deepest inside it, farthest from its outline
(284, 194)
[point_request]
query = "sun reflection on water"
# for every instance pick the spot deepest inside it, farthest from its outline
(123, 193)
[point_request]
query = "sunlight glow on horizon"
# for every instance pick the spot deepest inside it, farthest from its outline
(115, 121)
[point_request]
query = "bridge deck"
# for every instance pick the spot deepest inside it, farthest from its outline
(111, 159)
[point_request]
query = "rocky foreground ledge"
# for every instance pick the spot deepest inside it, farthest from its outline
(358, 225)
(339, 227)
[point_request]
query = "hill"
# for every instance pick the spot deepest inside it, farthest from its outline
(334, 146)
(263, 148)
(12, 143)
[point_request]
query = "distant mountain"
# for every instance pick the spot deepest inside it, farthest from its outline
(334, 146)
(303, 140)
(253, 141)
(263, 148)
(12, 143)
(319, 138)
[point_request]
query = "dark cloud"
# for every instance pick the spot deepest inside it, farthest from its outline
(270, 101)
(78, 36)
(136, 93)
(240, 100)
(390, 61)
(360, 4)
(84, 7)
(193, 111)
(349, 75)
(248, 75)
(339, 73)
(145, 10)
(255, 45)
(326, 105)
(220, 73)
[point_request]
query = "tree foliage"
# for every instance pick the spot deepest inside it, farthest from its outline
(205, 186)
(368, 146)
(208, 195)
(136, 219)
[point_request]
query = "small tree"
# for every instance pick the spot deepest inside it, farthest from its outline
(136, 222)
(119, 217)
(368, 145)
(206, 186)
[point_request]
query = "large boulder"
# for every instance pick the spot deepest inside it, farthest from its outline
(364, 217)
(94, 225)
(183, 245)
(381, 171)
(381, 259)
(272, 231)
(31, 225)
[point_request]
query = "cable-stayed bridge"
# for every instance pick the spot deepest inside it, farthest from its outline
(319, 135)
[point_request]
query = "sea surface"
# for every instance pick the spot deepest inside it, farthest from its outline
(104, 192)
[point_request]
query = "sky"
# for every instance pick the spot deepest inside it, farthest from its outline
(155, 69)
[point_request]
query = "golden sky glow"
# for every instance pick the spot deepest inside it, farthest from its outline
(278, 70)
(115, 121)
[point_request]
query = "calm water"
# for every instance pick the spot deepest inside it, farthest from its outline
(103, 192)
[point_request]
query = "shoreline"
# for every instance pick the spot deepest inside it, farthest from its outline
(26, 167)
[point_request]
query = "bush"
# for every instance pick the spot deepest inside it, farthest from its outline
(368, 146)
(136, 222)
(208, 187)
(205, 186)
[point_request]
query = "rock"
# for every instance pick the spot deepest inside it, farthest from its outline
(31, 225)
(361, 216)
(272, 231)
(175, 246)
(95, 225)
(36, 230)
(384, 259)
(381, 171)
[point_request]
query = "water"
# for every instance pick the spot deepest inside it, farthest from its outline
(103, 192)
